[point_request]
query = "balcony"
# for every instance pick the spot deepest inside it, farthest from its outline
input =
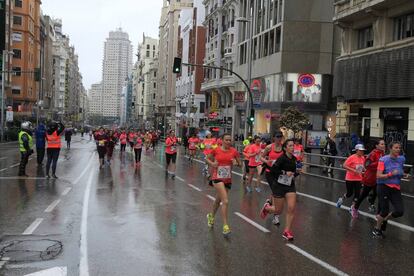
(348, 10)
(228, 52)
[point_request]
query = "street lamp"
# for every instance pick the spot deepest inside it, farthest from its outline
(249, 70)
(3, 90)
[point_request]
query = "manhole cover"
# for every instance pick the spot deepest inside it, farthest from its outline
(31, 250)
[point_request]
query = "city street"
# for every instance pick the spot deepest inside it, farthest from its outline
(126, 221)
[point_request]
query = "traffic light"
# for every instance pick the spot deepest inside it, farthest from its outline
(251, 117)
(177, 65)
(37, 74)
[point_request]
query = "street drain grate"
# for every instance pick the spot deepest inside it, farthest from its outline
(30, 250)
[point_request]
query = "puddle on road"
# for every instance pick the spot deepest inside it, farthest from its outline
(30, 250)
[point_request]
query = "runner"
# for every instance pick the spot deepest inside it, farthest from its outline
(208, 144)
(255, 164)
(222, 159)
(283, 187)
(147, 140)
(369, 179)
(354, 166)
(111, 146)
(298, 152)
(123, 140)
(171, 153)
(131, 135)
(102, 139)
(137, 148)
(269, 156)
(246, 144)
(389, 174)
(192, 146)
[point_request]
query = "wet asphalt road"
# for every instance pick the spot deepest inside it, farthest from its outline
(124, 220)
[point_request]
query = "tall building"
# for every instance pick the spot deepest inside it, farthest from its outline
(25, 43)
(145, 83)
(374, 73)
(117, 67)
(95, 100)
(168, 44)
(220, 51)
(191, 48)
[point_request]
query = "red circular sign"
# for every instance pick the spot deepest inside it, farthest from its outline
(306, 80)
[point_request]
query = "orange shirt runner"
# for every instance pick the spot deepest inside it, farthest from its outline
(224, 159)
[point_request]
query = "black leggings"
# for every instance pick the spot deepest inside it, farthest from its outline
(138, 155)
(123, 146)
(385, 196)
(353, 188)
(52, 158)
(365, 193)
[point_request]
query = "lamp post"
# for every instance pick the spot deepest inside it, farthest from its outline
(3, 90)
(249, 67)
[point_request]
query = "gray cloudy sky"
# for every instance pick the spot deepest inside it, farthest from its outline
(88, 22)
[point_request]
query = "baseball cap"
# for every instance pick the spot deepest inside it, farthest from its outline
(359, 147)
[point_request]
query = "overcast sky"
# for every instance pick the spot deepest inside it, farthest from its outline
(88, 22)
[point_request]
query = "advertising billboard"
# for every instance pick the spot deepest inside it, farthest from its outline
(306, 87)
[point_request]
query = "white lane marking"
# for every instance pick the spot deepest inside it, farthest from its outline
(258, 226)
(407, 195)
(179, 178)
(29, 230)
(2, 158)
(211, 197)
(66, 191)
(5, 169)
(4, 261)
(30, 158)
(85, 170)
(397, 224)
(159, 165)
(52, 206)
(54, 271)
(194, 187)
(14, 165)
(21, 177)
(316, 260)
(84, 266)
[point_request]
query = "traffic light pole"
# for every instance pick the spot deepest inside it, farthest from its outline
(237, 75)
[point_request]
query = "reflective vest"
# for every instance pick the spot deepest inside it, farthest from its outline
(21, 147)
(53, 141)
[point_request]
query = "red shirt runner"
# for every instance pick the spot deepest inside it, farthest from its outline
(225, 163)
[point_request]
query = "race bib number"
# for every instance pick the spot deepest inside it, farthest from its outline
(208, 146)
(257, 158)
(285, 180)
(101, 143)
(192, 145)
(359, 168)
(173, 148)
(224, 172)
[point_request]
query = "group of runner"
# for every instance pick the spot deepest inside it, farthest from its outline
(281, 162)
(137, 140)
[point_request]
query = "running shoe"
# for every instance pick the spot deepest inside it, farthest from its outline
(384, 225)
(276, 220)
(210, 220)
(248, 189)
(372, 208)
(288, 235)
(377, 233)
(258, 189)
(173, 175)
(226, 229)
(354, 212)
(263, 211)
(339, 202)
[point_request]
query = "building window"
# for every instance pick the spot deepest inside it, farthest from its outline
(18, 3)
(148, 54)
(155, 85)
(148, 46)
(17, 71)
(404, 26)
(202, 107)
(17, 53)
(17, 20)
(365, 38)
(16, 91)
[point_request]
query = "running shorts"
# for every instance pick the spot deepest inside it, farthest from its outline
(171, 157)
(227, 185)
